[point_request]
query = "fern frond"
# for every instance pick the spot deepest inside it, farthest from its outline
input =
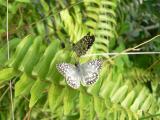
(140, 75)
(106, 23)
(108, 95)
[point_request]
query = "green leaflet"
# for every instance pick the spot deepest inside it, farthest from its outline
(21, 50)
(147, 103)
(69, 95)
(139, 100)
(99, 107)
(154, 107)
(91, 107)
(45, 5)
(117, 85)
(119, 94)
(7, 74)
(86, 106)
(37, 91)
(106, 87)
(122, 115)
(55, 96)
(126, 103)
(32, 56)
(42, 68)
(3, 51)
(23, 86)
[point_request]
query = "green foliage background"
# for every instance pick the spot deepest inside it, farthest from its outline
(128, 87)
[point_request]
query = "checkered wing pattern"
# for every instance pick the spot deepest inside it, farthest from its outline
(90, 72)
(70, 74)
(82, 46)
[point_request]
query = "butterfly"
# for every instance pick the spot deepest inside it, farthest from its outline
(86, 74)
(82, 46)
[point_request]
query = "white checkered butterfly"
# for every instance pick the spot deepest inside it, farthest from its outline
(82, 46)
(86, 73)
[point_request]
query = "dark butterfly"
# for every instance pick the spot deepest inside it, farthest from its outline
(82, 46)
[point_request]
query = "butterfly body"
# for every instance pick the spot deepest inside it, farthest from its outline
(85, 74)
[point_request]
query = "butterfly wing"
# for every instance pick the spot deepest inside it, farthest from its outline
(82, 46)
(90, 72)
(70, 73)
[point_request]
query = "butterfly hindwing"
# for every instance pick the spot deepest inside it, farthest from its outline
(70, 73)
(90, 72)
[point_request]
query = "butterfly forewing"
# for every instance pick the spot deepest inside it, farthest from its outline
(70, 73)
(90, 72)
(82, 46)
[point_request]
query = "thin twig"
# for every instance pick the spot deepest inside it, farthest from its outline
(146, 42)
(151, 66)
(4, 93)
(7, 34)
(8, 56)
(27, 116)
(123, 53)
